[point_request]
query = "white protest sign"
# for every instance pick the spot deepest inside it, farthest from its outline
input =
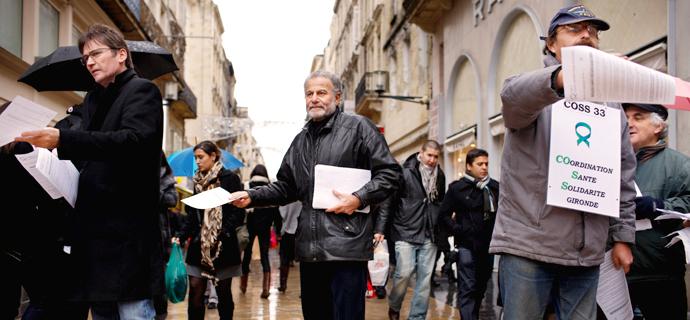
(585, 158)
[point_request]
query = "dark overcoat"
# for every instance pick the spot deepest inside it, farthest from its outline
(116, 242)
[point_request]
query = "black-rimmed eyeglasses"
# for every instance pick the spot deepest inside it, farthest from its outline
(94, 54)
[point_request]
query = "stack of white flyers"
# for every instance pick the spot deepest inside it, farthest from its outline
(59, 178)
(344, 180)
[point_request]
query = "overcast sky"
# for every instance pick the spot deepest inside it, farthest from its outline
(271, 45)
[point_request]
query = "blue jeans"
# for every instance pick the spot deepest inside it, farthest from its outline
(123, 310)
(527, 286)
(474, 271)
(410, 258)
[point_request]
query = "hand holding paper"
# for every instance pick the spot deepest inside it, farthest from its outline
(333, 188)
(348, 203)
(210, 198)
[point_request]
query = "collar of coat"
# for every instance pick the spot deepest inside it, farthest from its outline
(329, 124)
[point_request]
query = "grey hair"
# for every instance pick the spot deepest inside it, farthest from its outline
(335, 80)
(659, 121)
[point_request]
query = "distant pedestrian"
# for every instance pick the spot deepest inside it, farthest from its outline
(290, 214)
(469, 210)
(259, 222)
(213, 252)
(414, 228)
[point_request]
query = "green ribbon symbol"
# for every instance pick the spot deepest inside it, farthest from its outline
(583, 138)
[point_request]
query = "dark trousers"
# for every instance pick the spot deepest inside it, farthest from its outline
(264, 235)
(333, 290)
(287, 249)
(660, 299)
(474, 272)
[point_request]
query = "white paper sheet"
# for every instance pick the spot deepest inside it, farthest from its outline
(612, 291)
(641, 224)
(670, 214)
(59, 178)
(23, 115)
(593, 75)
(344, 180)
(681, 235)
(209, 199)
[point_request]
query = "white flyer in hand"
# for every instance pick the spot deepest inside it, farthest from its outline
(59, 178)
(344, 180)
(612, 291)
(23, 115)
(209, 199)
(593, 75)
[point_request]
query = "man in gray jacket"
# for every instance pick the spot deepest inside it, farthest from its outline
(552, 254)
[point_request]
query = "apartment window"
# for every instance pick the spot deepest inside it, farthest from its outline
(49, 19)
(75, 36)
(11, 26)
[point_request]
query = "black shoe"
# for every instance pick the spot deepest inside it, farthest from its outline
(393, 315)
(380, 292)
(212, 305)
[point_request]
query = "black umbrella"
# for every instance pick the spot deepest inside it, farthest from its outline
(62, 70)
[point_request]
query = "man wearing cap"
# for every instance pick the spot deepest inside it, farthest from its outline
(656, 278)
(552, 254)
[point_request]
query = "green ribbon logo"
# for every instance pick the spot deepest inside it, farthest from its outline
(583, 137)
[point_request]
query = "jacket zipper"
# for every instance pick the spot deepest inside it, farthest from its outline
(313, 144)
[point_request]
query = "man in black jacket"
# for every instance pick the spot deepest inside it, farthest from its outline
(333, 245)
(473, 199)
(116, 250)
(414, 219)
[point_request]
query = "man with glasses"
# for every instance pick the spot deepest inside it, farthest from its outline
(552, 254)
(116, 248)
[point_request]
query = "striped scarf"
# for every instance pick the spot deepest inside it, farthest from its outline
(213, 218)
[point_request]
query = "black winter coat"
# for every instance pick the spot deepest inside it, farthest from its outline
(233, 217)
(263, 218)
(470, 230)
(344, 140)
(116, 239)
(413, 212)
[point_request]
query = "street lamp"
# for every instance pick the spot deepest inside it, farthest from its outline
(377, 82)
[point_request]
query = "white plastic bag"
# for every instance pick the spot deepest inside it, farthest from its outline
(378, 268)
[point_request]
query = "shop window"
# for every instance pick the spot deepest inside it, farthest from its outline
(48, 25)
(11, 26)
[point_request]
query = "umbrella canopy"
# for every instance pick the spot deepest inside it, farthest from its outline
(182, 162)
(62, 70)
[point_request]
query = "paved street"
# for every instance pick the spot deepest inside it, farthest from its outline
(287, 305)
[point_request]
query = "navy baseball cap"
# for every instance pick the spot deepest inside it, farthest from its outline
(575, 14)
(656, 108)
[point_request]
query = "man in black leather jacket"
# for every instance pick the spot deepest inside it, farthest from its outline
(332, 245)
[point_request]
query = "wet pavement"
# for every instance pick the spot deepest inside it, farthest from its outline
(287, 305)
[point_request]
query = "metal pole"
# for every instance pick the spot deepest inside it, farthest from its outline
(166, 107)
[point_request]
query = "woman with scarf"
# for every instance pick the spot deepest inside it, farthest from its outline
(213, 252)
(474, 200)
(259, 222)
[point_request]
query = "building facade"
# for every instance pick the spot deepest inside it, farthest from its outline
(30, 29)
(209, 73)
(478, 44)
(378, 54)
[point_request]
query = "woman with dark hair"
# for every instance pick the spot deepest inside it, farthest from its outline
(259, 222)
(213, 251)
